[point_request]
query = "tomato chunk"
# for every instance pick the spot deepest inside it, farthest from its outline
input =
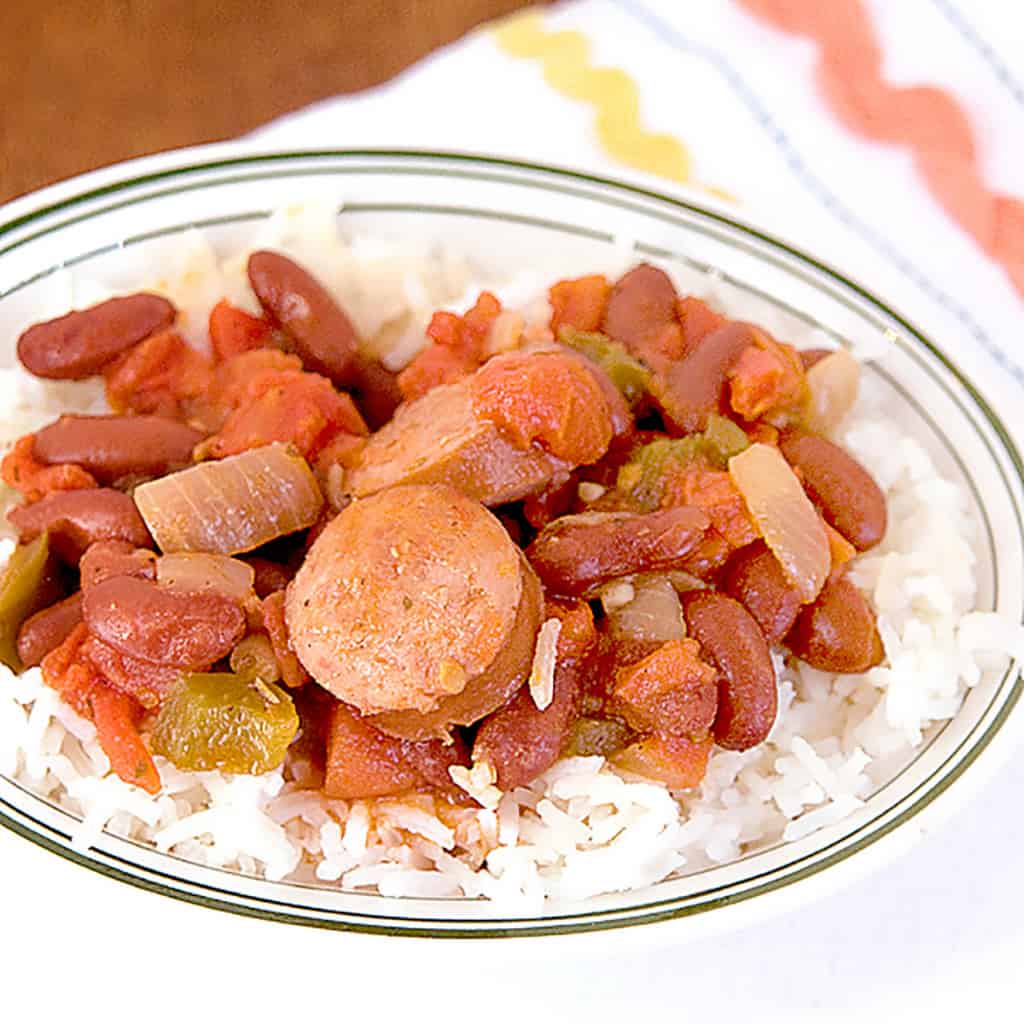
(233, 331)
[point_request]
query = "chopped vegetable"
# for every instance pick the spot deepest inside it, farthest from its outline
(596, 736)
(629, 375)
(654, 615)
(678, 761)
(785, 516)
(116, 717)
(196, 572)
(233, 505)
(644, 476)
(225, 722)
(20, 587)
(579, 302)
(253, 658)
(833, 383)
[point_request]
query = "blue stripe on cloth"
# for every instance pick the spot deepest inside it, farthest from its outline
(974, 39)
(669, 35)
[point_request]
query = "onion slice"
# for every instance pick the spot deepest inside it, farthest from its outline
(833, 383)
(785, 517)
(199, 572)
(655, 615)
(232, 505)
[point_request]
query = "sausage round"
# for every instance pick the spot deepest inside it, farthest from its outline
(405, 598)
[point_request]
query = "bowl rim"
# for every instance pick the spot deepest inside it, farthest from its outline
(879, 845)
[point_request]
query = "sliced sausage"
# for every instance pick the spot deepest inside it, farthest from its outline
(408, 596)
(76, 519)
(439, 439)
(112, 447)
(731, 639)
(81, 343)
(575, 554)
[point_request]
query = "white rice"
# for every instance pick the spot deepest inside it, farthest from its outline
(581, 829)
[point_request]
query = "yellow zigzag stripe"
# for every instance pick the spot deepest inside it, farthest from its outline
(612, 93)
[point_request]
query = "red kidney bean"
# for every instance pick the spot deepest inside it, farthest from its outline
(146, 681)
(107, 558)
(143, 620)
(81, 343)
(837, 633)
(696, 385)
(112, 447)
(376, 392)
(755, 578)
(519, 739)
(641, 315)
(318, 327)
(734, 643)
(76, 519)
(48, 629)
(709, 554)
(849, 498)
(574, 554)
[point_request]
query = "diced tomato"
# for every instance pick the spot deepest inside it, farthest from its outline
(21, 470)
(768, 377)
(233, 331)
(672, 691)
(116, 718)
(161, 375)
(698, 320)
(292, 672)
(434, 366)
(363, 762)
(713, 491)
(548, 398)
(678, 761)
(579, 303)
(272, 404)
(65, 671)
(459, 346)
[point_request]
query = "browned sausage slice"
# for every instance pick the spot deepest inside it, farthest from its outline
(408, 596)
(439, 439)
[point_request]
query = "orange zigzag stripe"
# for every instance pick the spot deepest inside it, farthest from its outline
(927, 120)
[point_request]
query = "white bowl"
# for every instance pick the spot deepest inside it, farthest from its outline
(505, 215)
